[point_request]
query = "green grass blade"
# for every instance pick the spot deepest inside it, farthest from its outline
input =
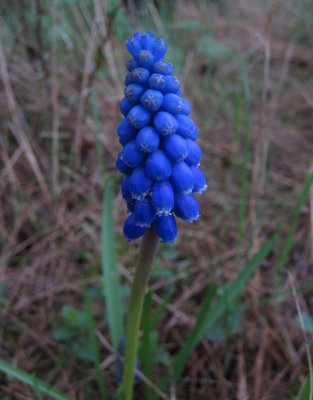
(112, 288)
(306, 391)
(99, 151)
(31, 380)
(246, 154)
(94, 344)
(195, 334)
(209, 315)
(146, 348)
(237, 123)
(161, 308)
(293, 226)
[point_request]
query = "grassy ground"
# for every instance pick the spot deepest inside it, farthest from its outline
(247, 69)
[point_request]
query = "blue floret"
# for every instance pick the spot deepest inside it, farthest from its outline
(134, 91)
(165, 123)
(162, 197)
(138, 117)
(152, 99)
(182, 178)
(148, 139)
(186, 207)
(131, 156)
(175, 147)
(158, 166)
(131, 230)
(166, 228)
(144, 213)
(139, 183)
(160, 157)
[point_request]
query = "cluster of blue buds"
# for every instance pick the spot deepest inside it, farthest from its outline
(160, 157)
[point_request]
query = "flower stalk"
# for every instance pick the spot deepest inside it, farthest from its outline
(147, 253)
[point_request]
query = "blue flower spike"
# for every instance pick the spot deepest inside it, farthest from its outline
(160, 158)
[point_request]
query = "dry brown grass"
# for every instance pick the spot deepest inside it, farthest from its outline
(50, 195)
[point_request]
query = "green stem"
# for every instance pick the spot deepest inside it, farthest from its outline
(147, 253)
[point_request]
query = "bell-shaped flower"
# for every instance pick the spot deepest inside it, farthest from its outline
(138, 117)
(175, 147)
(139, 183)
(166, 228)
(127, 196)
(162, 198)
(131, 156)
(148, 139)
(200, 183)
(126, 105)
(182, 178)
(158, 166)
(165, 123)
(157, 82)
(186, 126)
(163, 68)
(139, 75)
(131, 64)
(126, 132)
(134, 91)
(122, 167)
(194, 153)
(172, 84)
(151, 99)
(172, 103)
(159, 49)
(145, 58)
(131, 230)
(144, 213)
(186, 207)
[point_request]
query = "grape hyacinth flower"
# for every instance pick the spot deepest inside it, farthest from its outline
(160, 158)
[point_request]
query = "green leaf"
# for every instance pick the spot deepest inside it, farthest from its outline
(195, 335)
(94, 344)
(293, 226)
(211, 48)
(161, 308)
(209, 315)
(99, 151)
(70, 315)
(244, 179)
(189, 25)
(306, 390)
(225, 326)
(307, 321)
(31, 380)
(64, 333)
(147, 346)
(80, 349)
(112, 288)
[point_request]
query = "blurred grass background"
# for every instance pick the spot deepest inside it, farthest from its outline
(247, 69)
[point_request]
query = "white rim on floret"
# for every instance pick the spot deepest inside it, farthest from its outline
(142, 225)
(189, 221)
(202, 189)
(164, 212)
(187, 191)
(141, 196)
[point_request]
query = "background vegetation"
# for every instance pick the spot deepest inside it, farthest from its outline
(209, 332)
